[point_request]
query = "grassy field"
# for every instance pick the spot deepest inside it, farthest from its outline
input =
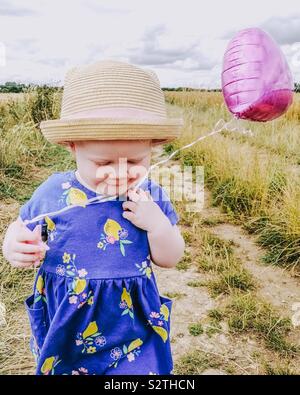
(254, 184)
(254, 179)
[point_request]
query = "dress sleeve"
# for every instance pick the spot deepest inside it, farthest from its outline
(161, 197)
(36, 205)
(25, 212)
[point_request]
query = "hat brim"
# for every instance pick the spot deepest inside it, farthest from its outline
(161, 131)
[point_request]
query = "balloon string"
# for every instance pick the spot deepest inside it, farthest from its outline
(221, 125)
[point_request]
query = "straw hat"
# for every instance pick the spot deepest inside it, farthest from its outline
(112, 100)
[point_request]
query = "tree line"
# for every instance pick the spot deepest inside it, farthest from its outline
(14, 87)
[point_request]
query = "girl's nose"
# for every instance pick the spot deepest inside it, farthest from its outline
(122, 171)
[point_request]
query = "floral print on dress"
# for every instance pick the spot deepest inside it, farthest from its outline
(78, 284)
(158, 320)
(51, 228)
(126, 303)
(49, 365)
(90, 339)
(131, 352)
(113, 234)
(81, 372)
(68, 278)
(72, 196)
(145, 267)
(39, 293)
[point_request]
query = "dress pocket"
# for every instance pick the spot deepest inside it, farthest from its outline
(37, 321)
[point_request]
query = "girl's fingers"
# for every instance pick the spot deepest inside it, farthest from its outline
(28, 248)
(143, 195)
(19, 264)
(26, 234)
(128, 215)
(139, 195)
(25, 258)
(130, 206)
(133, 195)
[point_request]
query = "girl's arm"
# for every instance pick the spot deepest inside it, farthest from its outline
(166, 245)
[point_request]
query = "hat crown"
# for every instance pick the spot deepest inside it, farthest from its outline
(112, 85)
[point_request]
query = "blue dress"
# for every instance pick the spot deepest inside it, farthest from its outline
(95, 307)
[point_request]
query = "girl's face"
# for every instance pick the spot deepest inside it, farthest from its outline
(112, 167)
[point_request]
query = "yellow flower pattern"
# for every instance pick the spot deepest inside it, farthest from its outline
(76, 288)
(158, 320)
(39, 293)
(145, 267)
(51, 228)
(90, 339)
(113, 234)
(66, 258)
(49, 365)
(73, 196)
(126, 303)
(131, 352)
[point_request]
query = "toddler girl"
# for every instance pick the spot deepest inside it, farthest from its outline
(95, 307)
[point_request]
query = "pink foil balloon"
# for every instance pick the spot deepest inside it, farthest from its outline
(257, 83)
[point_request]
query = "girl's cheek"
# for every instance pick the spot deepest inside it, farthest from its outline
(102, 172)
(137, 171)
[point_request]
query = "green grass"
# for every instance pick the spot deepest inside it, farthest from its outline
(230, 280)
(247, 313)
(196, 362)
(215, 315)
(213, 221)
(185, 262)
(196, 329)
(283, 249)
(279, 370)
(195, 284)
(175, 295)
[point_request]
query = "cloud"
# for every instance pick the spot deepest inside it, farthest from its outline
(156, 49)
(24, 45)
(99, 8)
(9, 9)
(283, 30)
(53, 62)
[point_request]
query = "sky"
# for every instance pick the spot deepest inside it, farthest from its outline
(182, 41)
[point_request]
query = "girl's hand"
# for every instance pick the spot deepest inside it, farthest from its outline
(23, 247)
(144, 212)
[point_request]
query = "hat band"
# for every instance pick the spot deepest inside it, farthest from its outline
(114, 112)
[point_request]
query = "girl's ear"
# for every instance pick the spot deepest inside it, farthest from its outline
(71, 147)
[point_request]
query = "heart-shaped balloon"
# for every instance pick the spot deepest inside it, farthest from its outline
(257, 83)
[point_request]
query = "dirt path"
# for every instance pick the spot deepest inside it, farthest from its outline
(190, 305)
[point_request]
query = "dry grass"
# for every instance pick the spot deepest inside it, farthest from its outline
(254, 179)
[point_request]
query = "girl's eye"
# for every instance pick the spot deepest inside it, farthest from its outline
(107, 163)
(102, 164)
